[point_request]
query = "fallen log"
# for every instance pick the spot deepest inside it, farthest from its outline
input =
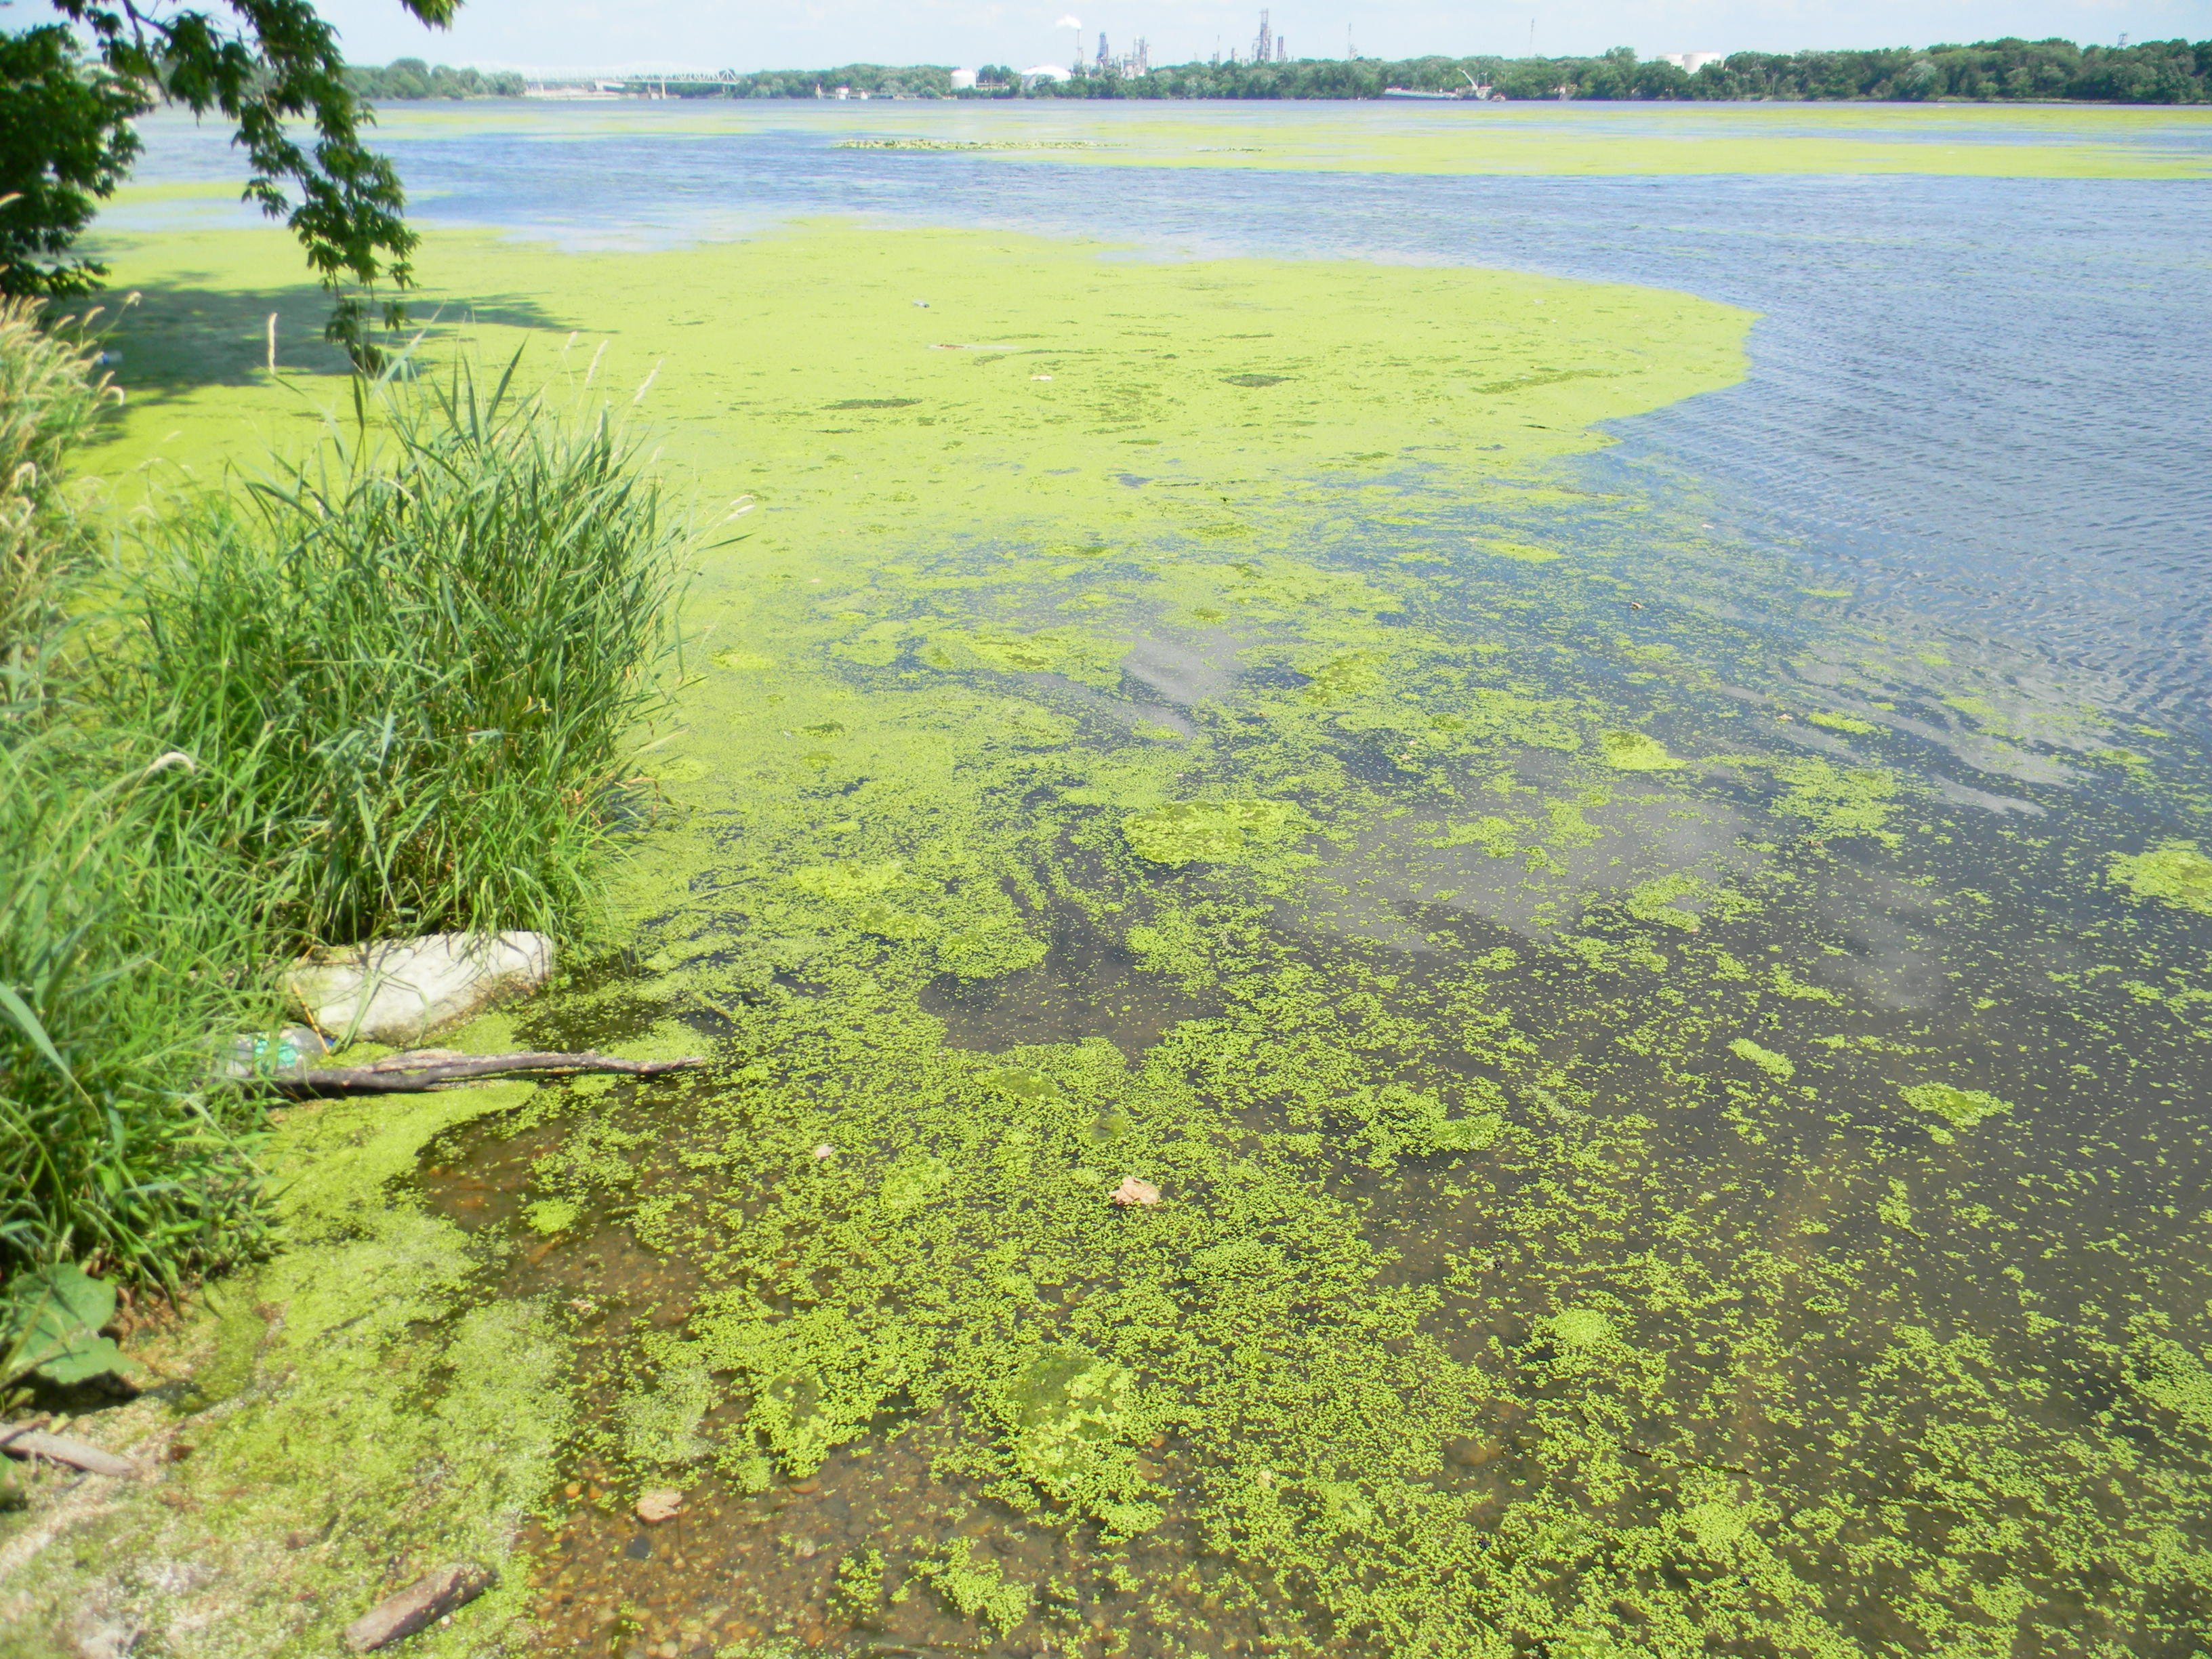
(419, 1604)
(412, 1073)
(25, 1442)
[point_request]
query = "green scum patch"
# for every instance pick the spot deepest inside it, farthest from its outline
(1209, 831)
(1275, 1112)
(2175, 872)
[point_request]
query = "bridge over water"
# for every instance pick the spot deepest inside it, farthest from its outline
(618, 83)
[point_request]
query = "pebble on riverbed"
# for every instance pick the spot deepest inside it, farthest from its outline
(658, 1505)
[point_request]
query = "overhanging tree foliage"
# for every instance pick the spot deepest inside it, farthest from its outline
(65, 141)
(265, 65)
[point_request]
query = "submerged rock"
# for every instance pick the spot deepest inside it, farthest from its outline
(397, 991)
(663, 1504)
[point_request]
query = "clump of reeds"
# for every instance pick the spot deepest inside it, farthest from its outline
(50, 393)
(127, 949)
(387, 689)
(403, 672)
(119, 947)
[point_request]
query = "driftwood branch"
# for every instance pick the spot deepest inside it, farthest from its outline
(400, 1616)
(27, 1440)
(411, 1073)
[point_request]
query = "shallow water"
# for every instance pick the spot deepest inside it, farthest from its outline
(1664, 989)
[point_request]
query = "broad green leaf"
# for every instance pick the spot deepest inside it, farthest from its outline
(85, 1359)
(54, 1318)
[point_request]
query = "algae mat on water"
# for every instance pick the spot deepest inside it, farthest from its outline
(1634, 1173)
(1989, 141)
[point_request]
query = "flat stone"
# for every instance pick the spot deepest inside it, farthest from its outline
(397, 991)
(662, 1504)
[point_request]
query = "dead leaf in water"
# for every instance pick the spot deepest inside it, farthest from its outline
(1133, 1191)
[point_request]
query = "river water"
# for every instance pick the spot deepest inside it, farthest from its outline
(1701, 1359)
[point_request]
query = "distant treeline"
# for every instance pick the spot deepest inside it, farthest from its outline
(410, 77)
(2154, 72)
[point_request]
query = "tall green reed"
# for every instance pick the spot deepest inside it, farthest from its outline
(126, 945)
(383, 689)
(405, 670)
(121, 940)
(50, 393)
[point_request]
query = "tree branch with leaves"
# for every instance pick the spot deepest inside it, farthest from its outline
(266, 66)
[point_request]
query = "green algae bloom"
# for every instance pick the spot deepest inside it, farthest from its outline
(1520, 552)
(1210, 832)
(1849, 723)
(551, 1215)
(1963, 139)
(1632, 751)
(2175, 872)
(1145, 770)
(1780, 1067)
(1962, 1108)
(1582, 1328)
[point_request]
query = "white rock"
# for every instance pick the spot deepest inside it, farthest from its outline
(397, 991)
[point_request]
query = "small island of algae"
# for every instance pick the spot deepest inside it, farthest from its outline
(1210, 832)
(2174, 872)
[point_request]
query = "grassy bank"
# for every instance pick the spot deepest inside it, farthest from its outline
(383, 690)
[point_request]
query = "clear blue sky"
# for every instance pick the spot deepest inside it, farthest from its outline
(805, 33)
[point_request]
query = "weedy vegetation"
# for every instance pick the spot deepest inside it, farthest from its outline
(385, 689)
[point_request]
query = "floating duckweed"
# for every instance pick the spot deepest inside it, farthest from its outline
(2176, 871)
(1849, 723)
(2172, 1379)
(1210, 832)
(551, 1215)
(1780, 1067)
(859, 1586)
(972, 1588)
(1632, 751)
(1962, 1108)
(1398, 1122)
(847, 883)
(1520, 552)
(1838, 800)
